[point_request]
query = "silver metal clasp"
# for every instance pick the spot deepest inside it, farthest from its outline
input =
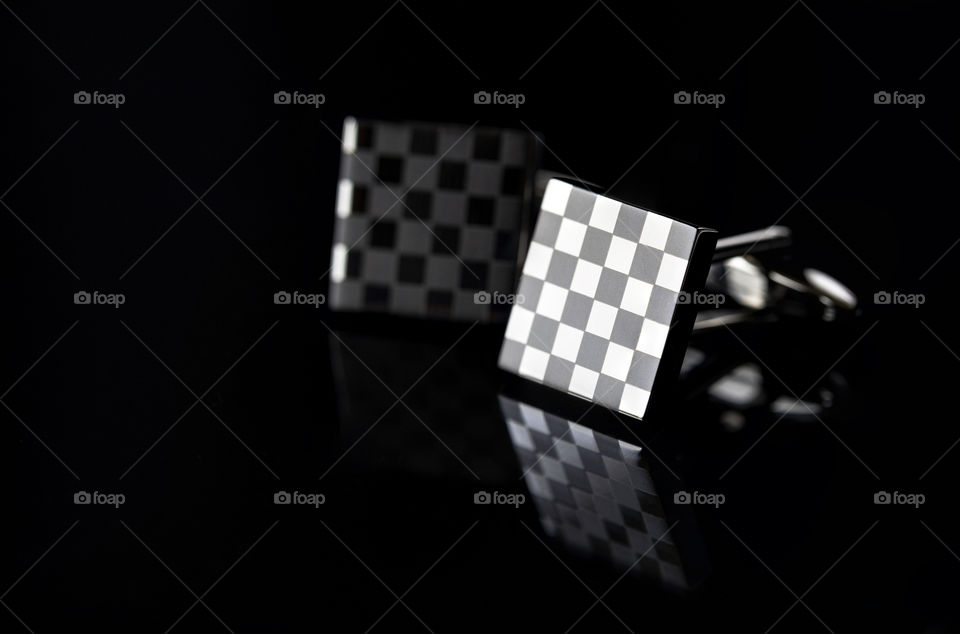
(758, 291)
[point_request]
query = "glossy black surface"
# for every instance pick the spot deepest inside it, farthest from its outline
(199, 399)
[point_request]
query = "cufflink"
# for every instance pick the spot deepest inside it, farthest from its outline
(601, 316)
(429, 219)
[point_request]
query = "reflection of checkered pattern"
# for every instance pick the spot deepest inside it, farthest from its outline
(427, 216)
(593, 492)
(600, 285)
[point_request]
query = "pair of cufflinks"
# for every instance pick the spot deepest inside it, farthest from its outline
(437, 221)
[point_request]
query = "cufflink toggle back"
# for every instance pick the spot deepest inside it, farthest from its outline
(755, 272)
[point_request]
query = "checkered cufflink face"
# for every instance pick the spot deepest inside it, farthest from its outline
(600, 284)
(428, 218)
(593, 492)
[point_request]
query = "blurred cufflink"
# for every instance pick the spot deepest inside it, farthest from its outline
(429, 219)
(601, 315)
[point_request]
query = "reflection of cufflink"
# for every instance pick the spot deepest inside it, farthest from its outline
(727, 384)
(601, 317)
(427, 217)
(597, 496)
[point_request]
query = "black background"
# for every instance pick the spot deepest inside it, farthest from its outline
(878, 210)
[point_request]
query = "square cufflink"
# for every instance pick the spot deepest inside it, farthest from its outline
(429, 218)
(602, 315)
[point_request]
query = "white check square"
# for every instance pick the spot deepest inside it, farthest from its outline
(617, 361)
(538, 261)
(636, 296)
(534, 363)
(585, 278)
(653, 337)
(555, 197)
(600, 322)
(566, 345)
(518, 326)
(604, 215)
(570, 237)
(671, 272)
(634, 400)
(583, 381)
(656, 229)
(552, 300)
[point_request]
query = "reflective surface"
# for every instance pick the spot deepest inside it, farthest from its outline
(428, 488)
(595, 494)
(200, 399)
(671, 515)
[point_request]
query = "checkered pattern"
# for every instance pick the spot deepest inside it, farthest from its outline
(600, 285)
(426, 217)
(593, 492)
